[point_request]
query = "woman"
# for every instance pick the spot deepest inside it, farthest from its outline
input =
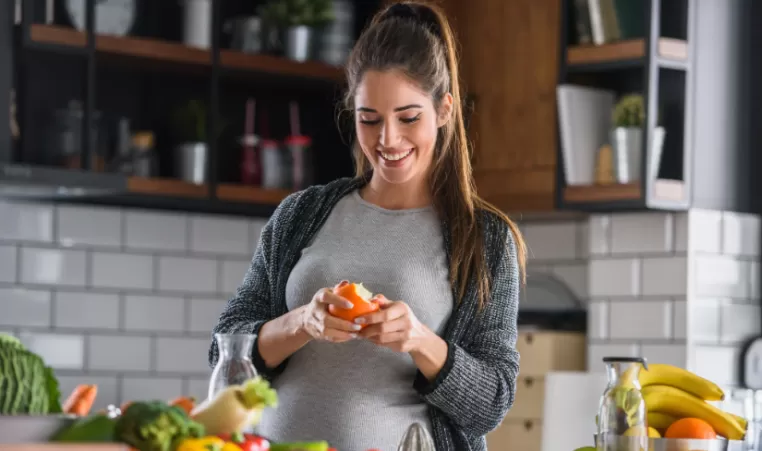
(446, 266)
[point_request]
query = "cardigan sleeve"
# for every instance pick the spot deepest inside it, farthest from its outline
(252, 306)
(476, 386)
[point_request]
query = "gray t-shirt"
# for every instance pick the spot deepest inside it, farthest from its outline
(358, 395)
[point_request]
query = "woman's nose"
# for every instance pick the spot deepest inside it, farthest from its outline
(389, 135)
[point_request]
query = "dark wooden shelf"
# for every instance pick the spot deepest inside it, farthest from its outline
(166, 187)
(250, 194)
(663, 191)
(634, 49)
(175, 53)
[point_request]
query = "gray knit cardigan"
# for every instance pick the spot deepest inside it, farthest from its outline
(476, 387)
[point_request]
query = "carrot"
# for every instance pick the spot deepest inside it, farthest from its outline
(81, 400)
(184, 402)
(124, 406)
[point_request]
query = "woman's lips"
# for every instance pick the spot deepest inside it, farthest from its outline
(395, 157)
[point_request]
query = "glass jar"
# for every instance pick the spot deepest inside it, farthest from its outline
(234, 366)
(622, 424)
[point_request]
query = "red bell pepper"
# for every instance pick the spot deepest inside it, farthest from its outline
(247, 442)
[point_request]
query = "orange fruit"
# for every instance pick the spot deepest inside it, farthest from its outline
(359, 296)
(690, 428)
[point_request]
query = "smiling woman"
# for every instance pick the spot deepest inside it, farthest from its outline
(446, 266)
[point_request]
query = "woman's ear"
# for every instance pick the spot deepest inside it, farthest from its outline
(445, 110)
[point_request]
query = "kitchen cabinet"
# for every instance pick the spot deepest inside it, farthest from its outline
(509, 67)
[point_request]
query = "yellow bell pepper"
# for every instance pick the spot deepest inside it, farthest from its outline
(207, 444)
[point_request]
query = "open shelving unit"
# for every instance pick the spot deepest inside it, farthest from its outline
(74, 60)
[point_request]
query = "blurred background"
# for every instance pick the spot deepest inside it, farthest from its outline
(149, 141)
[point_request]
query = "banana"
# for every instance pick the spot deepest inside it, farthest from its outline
(740, 420)
(674, 376)
(659, 421)
(678, 403)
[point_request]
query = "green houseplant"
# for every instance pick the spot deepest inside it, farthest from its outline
(628, 125)
(189, 128)
(297, 22)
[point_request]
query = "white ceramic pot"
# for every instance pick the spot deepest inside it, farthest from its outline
(197, 23)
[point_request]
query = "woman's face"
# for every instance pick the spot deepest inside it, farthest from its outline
(397, 125)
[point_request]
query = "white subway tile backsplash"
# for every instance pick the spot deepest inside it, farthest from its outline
(740, 234)
(642, 233)
(154, 313)
(614, 277)
(256, 232)
(151, 388)
(681, 220)
(665, 276)
(204, 314)
(186, 274)
(198, 388)
(26, 221)
(680, 320)
(108, 388)
(53, 266)
(739, 322)
(89, 226)
(639, 319)
(599, 234)
(719, 364)
(721, 276)
(705, 231)
(86, 310)
(185, 355)
(551, 241)
(119, 353)
(8, 264)
(220, 235)
(156, 231)
(126, 271)
(22, 307)
(754, 279)
(232, 274)
(598, 320)
(59, 351)
(574, 275)
(671, 354)
(704, 320)
(597, 351)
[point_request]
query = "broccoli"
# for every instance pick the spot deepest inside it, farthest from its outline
(155, 426)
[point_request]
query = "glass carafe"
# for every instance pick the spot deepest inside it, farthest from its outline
(622, 424)
(234, 365)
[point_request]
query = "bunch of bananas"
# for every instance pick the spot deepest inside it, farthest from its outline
(671, 393)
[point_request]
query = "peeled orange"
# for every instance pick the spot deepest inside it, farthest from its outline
(690, 428)
(359, 296)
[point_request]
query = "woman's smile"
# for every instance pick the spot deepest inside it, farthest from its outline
(394, 157)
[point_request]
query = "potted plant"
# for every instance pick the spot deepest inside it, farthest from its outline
(629, 120)
(297, 22)
(192, 149)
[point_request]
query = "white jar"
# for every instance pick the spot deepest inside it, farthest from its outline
(197, 24)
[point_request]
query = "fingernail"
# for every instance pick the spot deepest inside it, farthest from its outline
(356, 326)
(353, 335)
(359, 320)
(348, 305)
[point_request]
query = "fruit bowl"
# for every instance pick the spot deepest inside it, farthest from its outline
(675, 444)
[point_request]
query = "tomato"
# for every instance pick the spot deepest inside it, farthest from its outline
(247, 442)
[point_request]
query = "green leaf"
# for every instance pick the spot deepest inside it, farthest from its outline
(99, 428)
(54, 391)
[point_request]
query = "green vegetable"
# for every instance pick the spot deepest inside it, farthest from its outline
(155, 426)
(96, 429)
(23, 381)
(299, 446)
(10, 340)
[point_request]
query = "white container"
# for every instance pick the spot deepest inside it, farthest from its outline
(197, 23)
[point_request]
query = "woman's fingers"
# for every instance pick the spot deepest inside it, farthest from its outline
(338, 336)
(388, 312)
(389, 327)
(333, 322)
(328, 298)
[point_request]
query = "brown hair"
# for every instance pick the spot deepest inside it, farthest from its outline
(416, 38)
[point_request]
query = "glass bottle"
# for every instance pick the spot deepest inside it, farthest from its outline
(622, 424)
(234, 365)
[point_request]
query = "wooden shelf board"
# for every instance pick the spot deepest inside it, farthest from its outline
(673, 49)
(602, 193)
(166, 187)
(229, 192)
(172, 52)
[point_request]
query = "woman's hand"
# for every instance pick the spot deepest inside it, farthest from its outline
(394, 326)
(321, 325)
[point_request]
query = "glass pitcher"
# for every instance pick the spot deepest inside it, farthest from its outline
(234, 365)
(622, 424)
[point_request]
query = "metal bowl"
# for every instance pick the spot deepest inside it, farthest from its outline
(16, 429)
(673, 444)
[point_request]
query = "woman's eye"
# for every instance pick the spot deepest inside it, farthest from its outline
(370, 122)
(410, 120)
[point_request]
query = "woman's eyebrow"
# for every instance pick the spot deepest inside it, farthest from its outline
(400, 108)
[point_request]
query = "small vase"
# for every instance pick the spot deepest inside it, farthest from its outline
(234, 366)
(298, 42)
